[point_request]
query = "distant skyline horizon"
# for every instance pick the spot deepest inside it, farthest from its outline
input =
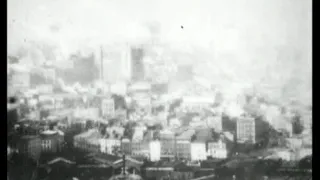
(245, 41)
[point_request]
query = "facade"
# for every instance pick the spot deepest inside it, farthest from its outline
(246, 130)
(88, 141)
(108, 107)
(140, 149)
(137, 65)
(52, 141)
(171, 170)
(109, 145)
(30, 145)
(198, 151)
(155, 148)
(217, 150)
(167, 140)
(183, 144)
(126, 146)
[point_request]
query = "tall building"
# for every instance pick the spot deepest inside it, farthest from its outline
(137, 65)
(246, 131)
(115, 63)
(108, 107)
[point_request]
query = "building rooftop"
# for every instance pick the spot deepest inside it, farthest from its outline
(186, 135)
(203, 135)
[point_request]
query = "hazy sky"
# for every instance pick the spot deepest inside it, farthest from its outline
(242, 35)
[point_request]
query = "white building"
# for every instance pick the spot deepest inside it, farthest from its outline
(108, 145)
(246, 131)
(155, 150)
(198, 151)
(217, 150)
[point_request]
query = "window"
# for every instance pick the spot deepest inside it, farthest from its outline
(46, 144)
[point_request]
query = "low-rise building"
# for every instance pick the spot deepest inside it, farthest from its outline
(171, 170)
(167, 139)
(108, 145)
(183, 144)
(198, 151)
(88, 141)
(140, 149)
(217, 149)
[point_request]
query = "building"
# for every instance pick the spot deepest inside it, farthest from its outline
(199, 144)
(137, 65)
(171, 170)
(109, 145)
(139, 133)
(155, 150)
(88, 141)
(126, 146)
(246, 130)
(30, 145)
(183, 144)
(198, 151)
(196, 103)
(108, 107)
(168, 144)
(52, 141)
(115, 131)
(115, 63)
(140, 149)
(217, 150)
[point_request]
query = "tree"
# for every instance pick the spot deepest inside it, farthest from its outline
(297, 124)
